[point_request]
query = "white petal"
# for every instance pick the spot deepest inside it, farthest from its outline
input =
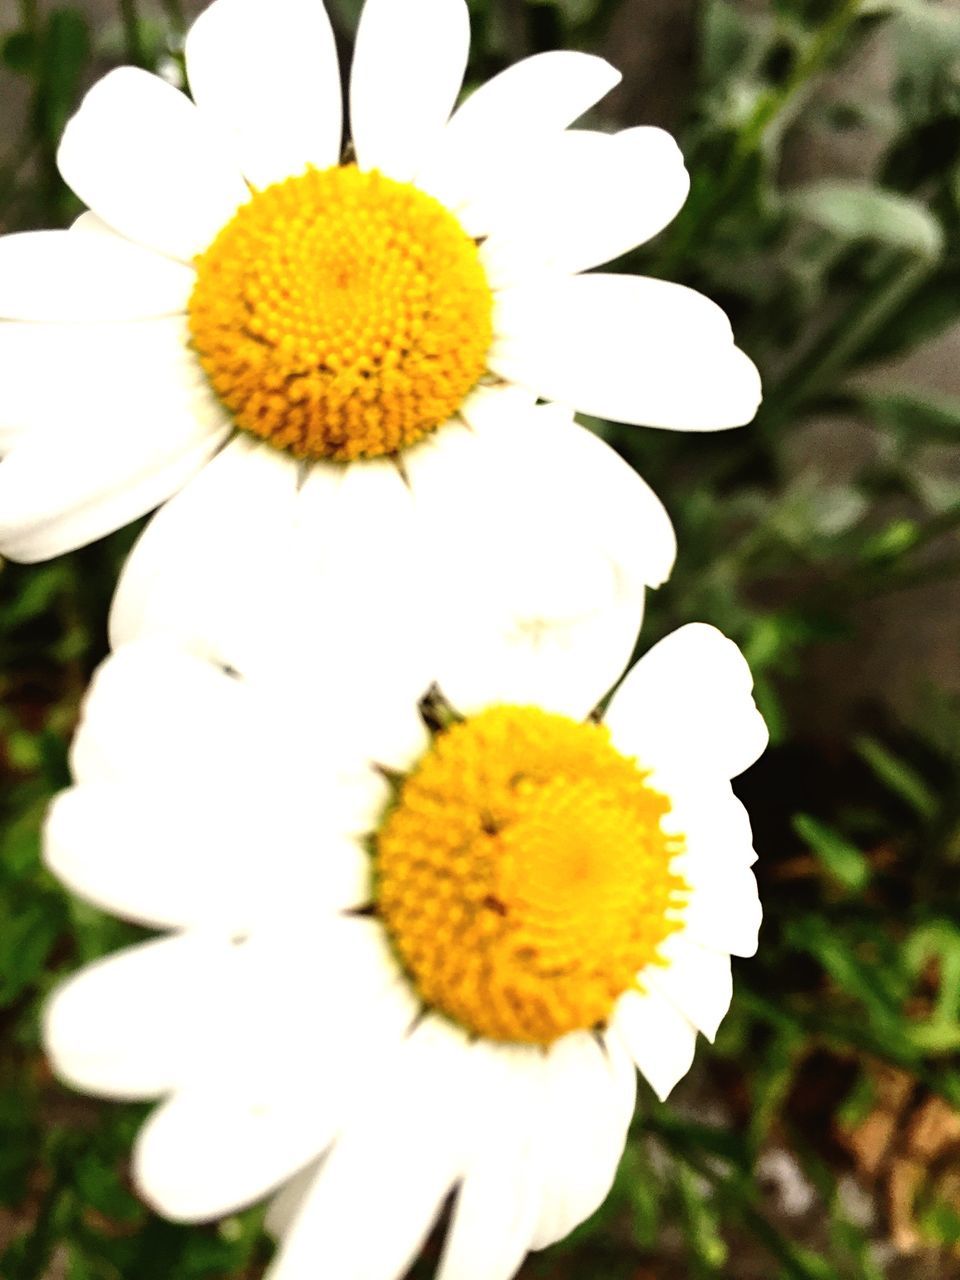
(696, 980)
(285, 1205)
(211, 1151)
(500, 1198)
(226, 856)
(529, 100)
(489, 404)
(712, 822)
(659, 1038)
(686, 707)
(400, 1153)
(70, 377)
(141, 155)
(105, 422)
(724, 911)
(154, 712)
(130, 1025)
(209, 569)
(89, 222)
(587, 198)
(408, 67)
(587, 1104)
(544, 604)
(272, 87)
(55, 275)
(59, 494)
(354, 529)
(158, 712)
(242, 561)
(161, 713)
(626, 348)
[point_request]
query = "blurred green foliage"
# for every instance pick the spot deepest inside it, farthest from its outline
(857, 983)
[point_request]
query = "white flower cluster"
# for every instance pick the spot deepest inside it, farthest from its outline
(424, 909)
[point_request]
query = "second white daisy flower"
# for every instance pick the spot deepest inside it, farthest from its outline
(431, 959)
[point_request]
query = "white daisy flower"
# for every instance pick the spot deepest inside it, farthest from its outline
(234, 275)
(401, 961)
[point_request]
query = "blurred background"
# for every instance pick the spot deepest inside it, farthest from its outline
(820, 1136)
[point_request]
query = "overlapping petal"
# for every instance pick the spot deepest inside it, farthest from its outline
(272, 89)
(144, 158)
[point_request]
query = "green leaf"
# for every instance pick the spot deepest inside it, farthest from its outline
(841, 859)
(910, 415)
(857, 211)
(66, 52)
(898, 776)
(27, 936)
(19, 52)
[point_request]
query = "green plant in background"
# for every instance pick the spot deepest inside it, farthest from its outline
(825, 1123)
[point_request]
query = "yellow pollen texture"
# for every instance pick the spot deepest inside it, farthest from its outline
(341, 315)
(523, 874)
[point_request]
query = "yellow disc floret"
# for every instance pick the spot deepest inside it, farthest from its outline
(523, 874)
(341, 314)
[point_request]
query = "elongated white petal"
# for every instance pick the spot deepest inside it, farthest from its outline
(208, 1152)
(132, 1025)
(500, 1199)
(242, 734)
(203, 855)
(711, 821)
(285, 1205)
(88, 222)
(587, 1103)
(271, 87)
(626, 348)
(408, 67)
(695, 979)
(142, 156)
(545, 603)
(528, 101)
(724, 910)
(70, 378)
(686, 705)
(586, 199)
(136, 713)
(357, 537)
(402, 1152)
(210, 569)
(61, 490)
(659, 1038)
(55, 275)
(488, 405)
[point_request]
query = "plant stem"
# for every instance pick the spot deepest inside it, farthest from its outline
(175, 16)
(833, 353)
(131, 32)
(752, 136)
(737, 1191)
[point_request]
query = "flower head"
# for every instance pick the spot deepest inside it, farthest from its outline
(239, 271)
(411, 948)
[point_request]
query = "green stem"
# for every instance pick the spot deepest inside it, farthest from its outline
(830, 357)
(175, 16)
(766, 114)
(131, 32)
(737, 1191)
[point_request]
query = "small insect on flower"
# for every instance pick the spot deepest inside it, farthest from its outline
(237, 279)
(412, 949)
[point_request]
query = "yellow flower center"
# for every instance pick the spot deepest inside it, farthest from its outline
(341, 314)
(523, 874)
